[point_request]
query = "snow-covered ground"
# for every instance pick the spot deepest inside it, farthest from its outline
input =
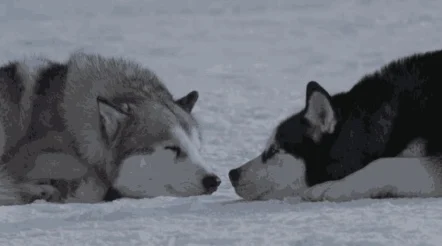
(250, 61)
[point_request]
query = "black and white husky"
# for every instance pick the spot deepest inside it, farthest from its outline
(382, 138)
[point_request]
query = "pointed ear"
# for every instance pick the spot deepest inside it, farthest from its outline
(319, 111)
(111, 118)
(188, 102)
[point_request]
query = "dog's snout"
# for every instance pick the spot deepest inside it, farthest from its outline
(211, 183)
(234, 175)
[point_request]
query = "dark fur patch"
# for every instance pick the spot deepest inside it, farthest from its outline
(45, 117)
(378, 117)
(12, 82)
(112, 195)
(49, 83)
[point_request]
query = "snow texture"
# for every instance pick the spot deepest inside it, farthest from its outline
(250, 60)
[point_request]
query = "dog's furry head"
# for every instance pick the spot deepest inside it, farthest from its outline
(128, 119)
(281, 170)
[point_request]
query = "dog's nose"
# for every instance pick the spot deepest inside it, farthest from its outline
(234, 175)
(211, 182)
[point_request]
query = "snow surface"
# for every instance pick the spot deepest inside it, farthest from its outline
(250, 60)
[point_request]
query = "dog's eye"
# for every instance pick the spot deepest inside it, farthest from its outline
(175, 149)
(127, 107)
(273, 150)
(270, 152)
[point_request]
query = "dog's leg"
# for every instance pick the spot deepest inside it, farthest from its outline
(31, 191)
(395, 177)
(14, 192)
(89, 189)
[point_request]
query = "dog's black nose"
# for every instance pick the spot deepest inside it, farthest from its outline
(234, 175)
(211, 182)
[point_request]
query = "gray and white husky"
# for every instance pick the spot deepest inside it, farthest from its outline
(382, 138)
(93, 123)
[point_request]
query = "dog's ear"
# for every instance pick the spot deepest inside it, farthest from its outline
(319, 111)
(188, 101)
(111, 118)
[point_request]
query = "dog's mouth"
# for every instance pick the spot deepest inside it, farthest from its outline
(261, 197)
(248, 192)
(210, 191)
(174, 192)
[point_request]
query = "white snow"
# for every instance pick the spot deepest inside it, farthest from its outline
(250, 60)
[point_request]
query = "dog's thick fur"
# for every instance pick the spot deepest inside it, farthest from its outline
(70, 127)
(382, 138)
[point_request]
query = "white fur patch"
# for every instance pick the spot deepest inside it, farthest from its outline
(90, 190)
(281, 176)
(32, 65)
(28, 70)
(414, 149)
(195, 138)
(161, 173)
(320, 113)
(188, 145)
(403, 177)
(91, 146)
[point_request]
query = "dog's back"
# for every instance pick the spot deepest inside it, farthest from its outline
(393, 108)
(90, 114)
(346, 146)
(17, 83)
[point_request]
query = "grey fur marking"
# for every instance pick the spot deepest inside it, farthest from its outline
(89, 115)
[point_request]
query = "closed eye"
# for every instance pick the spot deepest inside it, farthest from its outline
(175, 149)
(127, 107)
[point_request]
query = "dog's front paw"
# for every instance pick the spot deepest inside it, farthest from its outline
(32, 192)
(50, 194)
(333, 191)
(316, 192)
(339, 192)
